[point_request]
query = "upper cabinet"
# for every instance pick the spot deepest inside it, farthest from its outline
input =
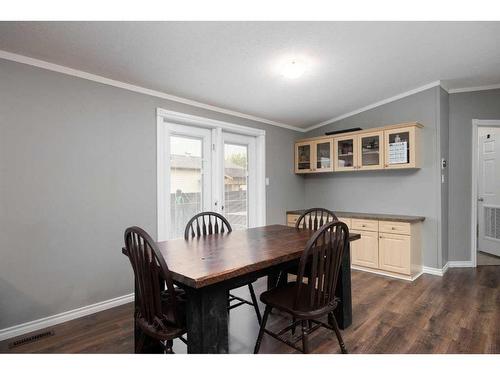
(371, 150)
(390, 147)
(303, 157)
(345, 151)
(401, 148)
(314, 156)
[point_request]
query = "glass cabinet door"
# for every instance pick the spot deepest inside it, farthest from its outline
(400, 148)
(323, 160)
(303, 162)
(371, 150)
(345, 153)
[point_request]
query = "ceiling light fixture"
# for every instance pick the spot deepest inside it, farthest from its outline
(293, 69)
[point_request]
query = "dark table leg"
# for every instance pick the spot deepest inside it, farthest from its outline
(207, 320)
(343, 312)
(272, 279)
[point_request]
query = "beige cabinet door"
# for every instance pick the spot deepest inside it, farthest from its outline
(304, 157)
(371, 151)
(364, 252)
(345, 151)
(323, 155)
(400, 148)
(394, 251)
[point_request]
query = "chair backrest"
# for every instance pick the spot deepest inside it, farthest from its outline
(320, 264)
(206, 223)
(315, 218)
(151, 277)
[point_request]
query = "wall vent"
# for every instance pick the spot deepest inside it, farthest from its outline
(30, 339)
(492, 222)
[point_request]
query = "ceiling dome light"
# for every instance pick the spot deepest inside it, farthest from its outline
(293, 69)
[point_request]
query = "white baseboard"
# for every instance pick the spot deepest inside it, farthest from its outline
(388, 274)
(460, 263)
(49, 321)
(435, 271)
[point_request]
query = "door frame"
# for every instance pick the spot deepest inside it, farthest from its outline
(475, 159)
(163, 118)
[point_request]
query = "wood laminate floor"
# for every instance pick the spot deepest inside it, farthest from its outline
(457, 313)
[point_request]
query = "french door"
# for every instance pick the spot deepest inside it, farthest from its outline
(206, 170)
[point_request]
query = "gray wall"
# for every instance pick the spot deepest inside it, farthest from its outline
(411, 192)
(464, 107)
(78, 166)
(444, 134)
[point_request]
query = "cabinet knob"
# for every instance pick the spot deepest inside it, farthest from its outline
(380, 237)
(393, 228)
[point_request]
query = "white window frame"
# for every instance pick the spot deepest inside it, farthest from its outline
(166, 118)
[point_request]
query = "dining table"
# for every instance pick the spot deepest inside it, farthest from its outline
(206, 268)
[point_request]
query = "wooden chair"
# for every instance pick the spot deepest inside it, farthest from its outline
(206, 223)
(315, 218)
(309, 301)
(161, 313)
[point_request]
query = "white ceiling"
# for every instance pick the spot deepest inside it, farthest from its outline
(235, 65)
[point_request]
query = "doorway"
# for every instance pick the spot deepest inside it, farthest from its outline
(206, 165)
(486, 192)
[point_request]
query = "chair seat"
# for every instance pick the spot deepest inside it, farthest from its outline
(171, 330)
(167, 308)
(283, 298)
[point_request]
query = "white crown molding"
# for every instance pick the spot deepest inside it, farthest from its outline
(476, 88)
(49, 321)
(142, 90)
(376, 104)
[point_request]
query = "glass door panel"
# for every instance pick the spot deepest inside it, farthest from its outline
(345, 158)
(186, 181)
(303, 157)
(236, 185)
(323, 156)
(371, 154)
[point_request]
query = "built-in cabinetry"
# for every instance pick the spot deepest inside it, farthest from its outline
(314, 156)
(390, 147)
(386, 247)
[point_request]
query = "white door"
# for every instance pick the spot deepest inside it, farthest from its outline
(189, 181)
(202, 169)
(489, 190)
(239, 177)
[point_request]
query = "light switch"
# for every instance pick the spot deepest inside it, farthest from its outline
(267, 181)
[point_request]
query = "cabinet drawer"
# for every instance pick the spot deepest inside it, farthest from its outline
(291, 219)
(394, 227)
(347, 221)
(369, 225)
(394, 253)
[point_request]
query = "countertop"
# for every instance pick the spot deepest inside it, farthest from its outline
(369, 216)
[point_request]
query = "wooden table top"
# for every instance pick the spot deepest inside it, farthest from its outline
(218, 257)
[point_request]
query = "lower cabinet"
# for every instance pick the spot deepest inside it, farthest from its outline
(365, 251)
(386, 247)
(394, 253)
